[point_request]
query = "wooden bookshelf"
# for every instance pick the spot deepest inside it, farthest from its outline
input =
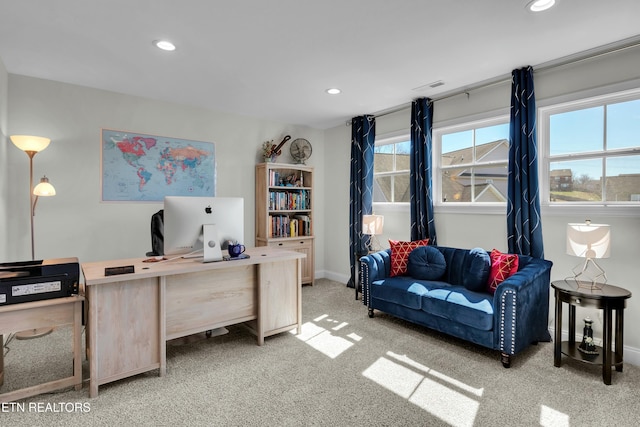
(284, 210)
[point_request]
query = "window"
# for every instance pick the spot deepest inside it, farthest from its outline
(391, 170)
(472, 162)
(593, 150)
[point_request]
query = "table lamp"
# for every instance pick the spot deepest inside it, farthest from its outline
(589, 241)
(372, 226)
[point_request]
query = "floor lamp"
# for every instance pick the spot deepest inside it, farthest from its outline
(32, 145)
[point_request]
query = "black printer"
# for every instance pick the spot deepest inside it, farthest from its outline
(26, 281)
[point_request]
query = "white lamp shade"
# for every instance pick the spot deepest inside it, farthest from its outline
(30, 143)
(589, 240)
(44, 188)
(372, 224)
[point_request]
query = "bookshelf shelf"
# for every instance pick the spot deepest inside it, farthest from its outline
(284, 210)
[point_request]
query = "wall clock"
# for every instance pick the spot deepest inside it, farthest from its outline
(300, 150)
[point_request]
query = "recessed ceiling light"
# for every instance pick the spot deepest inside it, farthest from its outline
(540, 5)
(164, 45)
(333, 91)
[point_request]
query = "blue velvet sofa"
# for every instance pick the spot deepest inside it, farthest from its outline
(510, 320)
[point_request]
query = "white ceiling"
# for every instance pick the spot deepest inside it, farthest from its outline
(273, 59)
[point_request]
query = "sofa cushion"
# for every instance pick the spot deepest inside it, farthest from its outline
(400, 254)
(475, 270)
(502, 267)
(461, 305)
(401, 290)
(426, 263)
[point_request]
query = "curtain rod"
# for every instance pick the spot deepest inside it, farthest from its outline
(546, 66)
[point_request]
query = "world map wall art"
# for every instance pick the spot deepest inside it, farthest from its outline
(146, 168)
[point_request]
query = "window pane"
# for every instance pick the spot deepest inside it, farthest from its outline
(456, 185)
(490, 184)
(403, 147)
(576, 181)
(577, 131)
(477, 184)
(492, 133)
(402, 156)
(623, 125)
(391, 188)
(623, 179)
(457, 148)
(383, 158)
(401, 188)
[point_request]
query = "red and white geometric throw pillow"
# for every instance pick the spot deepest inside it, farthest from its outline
(400, 255)
(502, 267)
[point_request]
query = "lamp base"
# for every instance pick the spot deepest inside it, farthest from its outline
(33, 333)
(589, 275)
(374, 243)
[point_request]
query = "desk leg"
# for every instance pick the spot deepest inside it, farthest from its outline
(557, 345)
(91, 326)
(619, 338)
(606, 344)
(77, 344)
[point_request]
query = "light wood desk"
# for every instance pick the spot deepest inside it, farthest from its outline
(39, 314)
(130, 317)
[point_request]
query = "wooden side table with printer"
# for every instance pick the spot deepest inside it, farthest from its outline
(45, 313)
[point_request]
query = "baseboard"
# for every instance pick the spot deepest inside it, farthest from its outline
(342, 278)
(631, 354)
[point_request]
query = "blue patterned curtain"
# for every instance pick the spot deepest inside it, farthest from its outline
(363, 134)
(524, 227)
(422, 224)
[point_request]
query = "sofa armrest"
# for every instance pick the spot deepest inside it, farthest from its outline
(521, 305)
(375, 266)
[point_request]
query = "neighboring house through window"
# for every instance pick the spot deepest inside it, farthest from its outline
(472, 160)
(592, 150)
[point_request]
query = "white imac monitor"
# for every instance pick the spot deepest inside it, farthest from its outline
(185, 218)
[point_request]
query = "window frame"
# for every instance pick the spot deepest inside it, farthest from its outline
(575, 103)
(388, 139)
(463, 124)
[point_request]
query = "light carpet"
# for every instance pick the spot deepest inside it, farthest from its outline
(345, 369)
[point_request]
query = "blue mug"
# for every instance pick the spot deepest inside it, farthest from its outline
(235, 250)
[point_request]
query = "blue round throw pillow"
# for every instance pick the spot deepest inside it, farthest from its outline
(475, 270)
(426, 263)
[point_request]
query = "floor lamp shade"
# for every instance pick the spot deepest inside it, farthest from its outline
(30, 143)
(44, 188)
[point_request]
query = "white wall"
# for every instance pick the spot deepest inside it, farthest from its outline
(469, 230)
(75, 223)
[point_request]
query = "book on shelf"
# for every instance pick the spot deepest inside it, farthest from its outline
(284, 226)
(289, 200)
(283, 178)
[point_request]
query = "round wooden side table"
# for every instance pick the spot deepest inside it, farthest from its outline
(608, 298)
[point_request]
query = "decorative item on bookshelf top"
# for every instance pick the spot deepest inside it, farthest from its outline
(270, 151)
(300, 150)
